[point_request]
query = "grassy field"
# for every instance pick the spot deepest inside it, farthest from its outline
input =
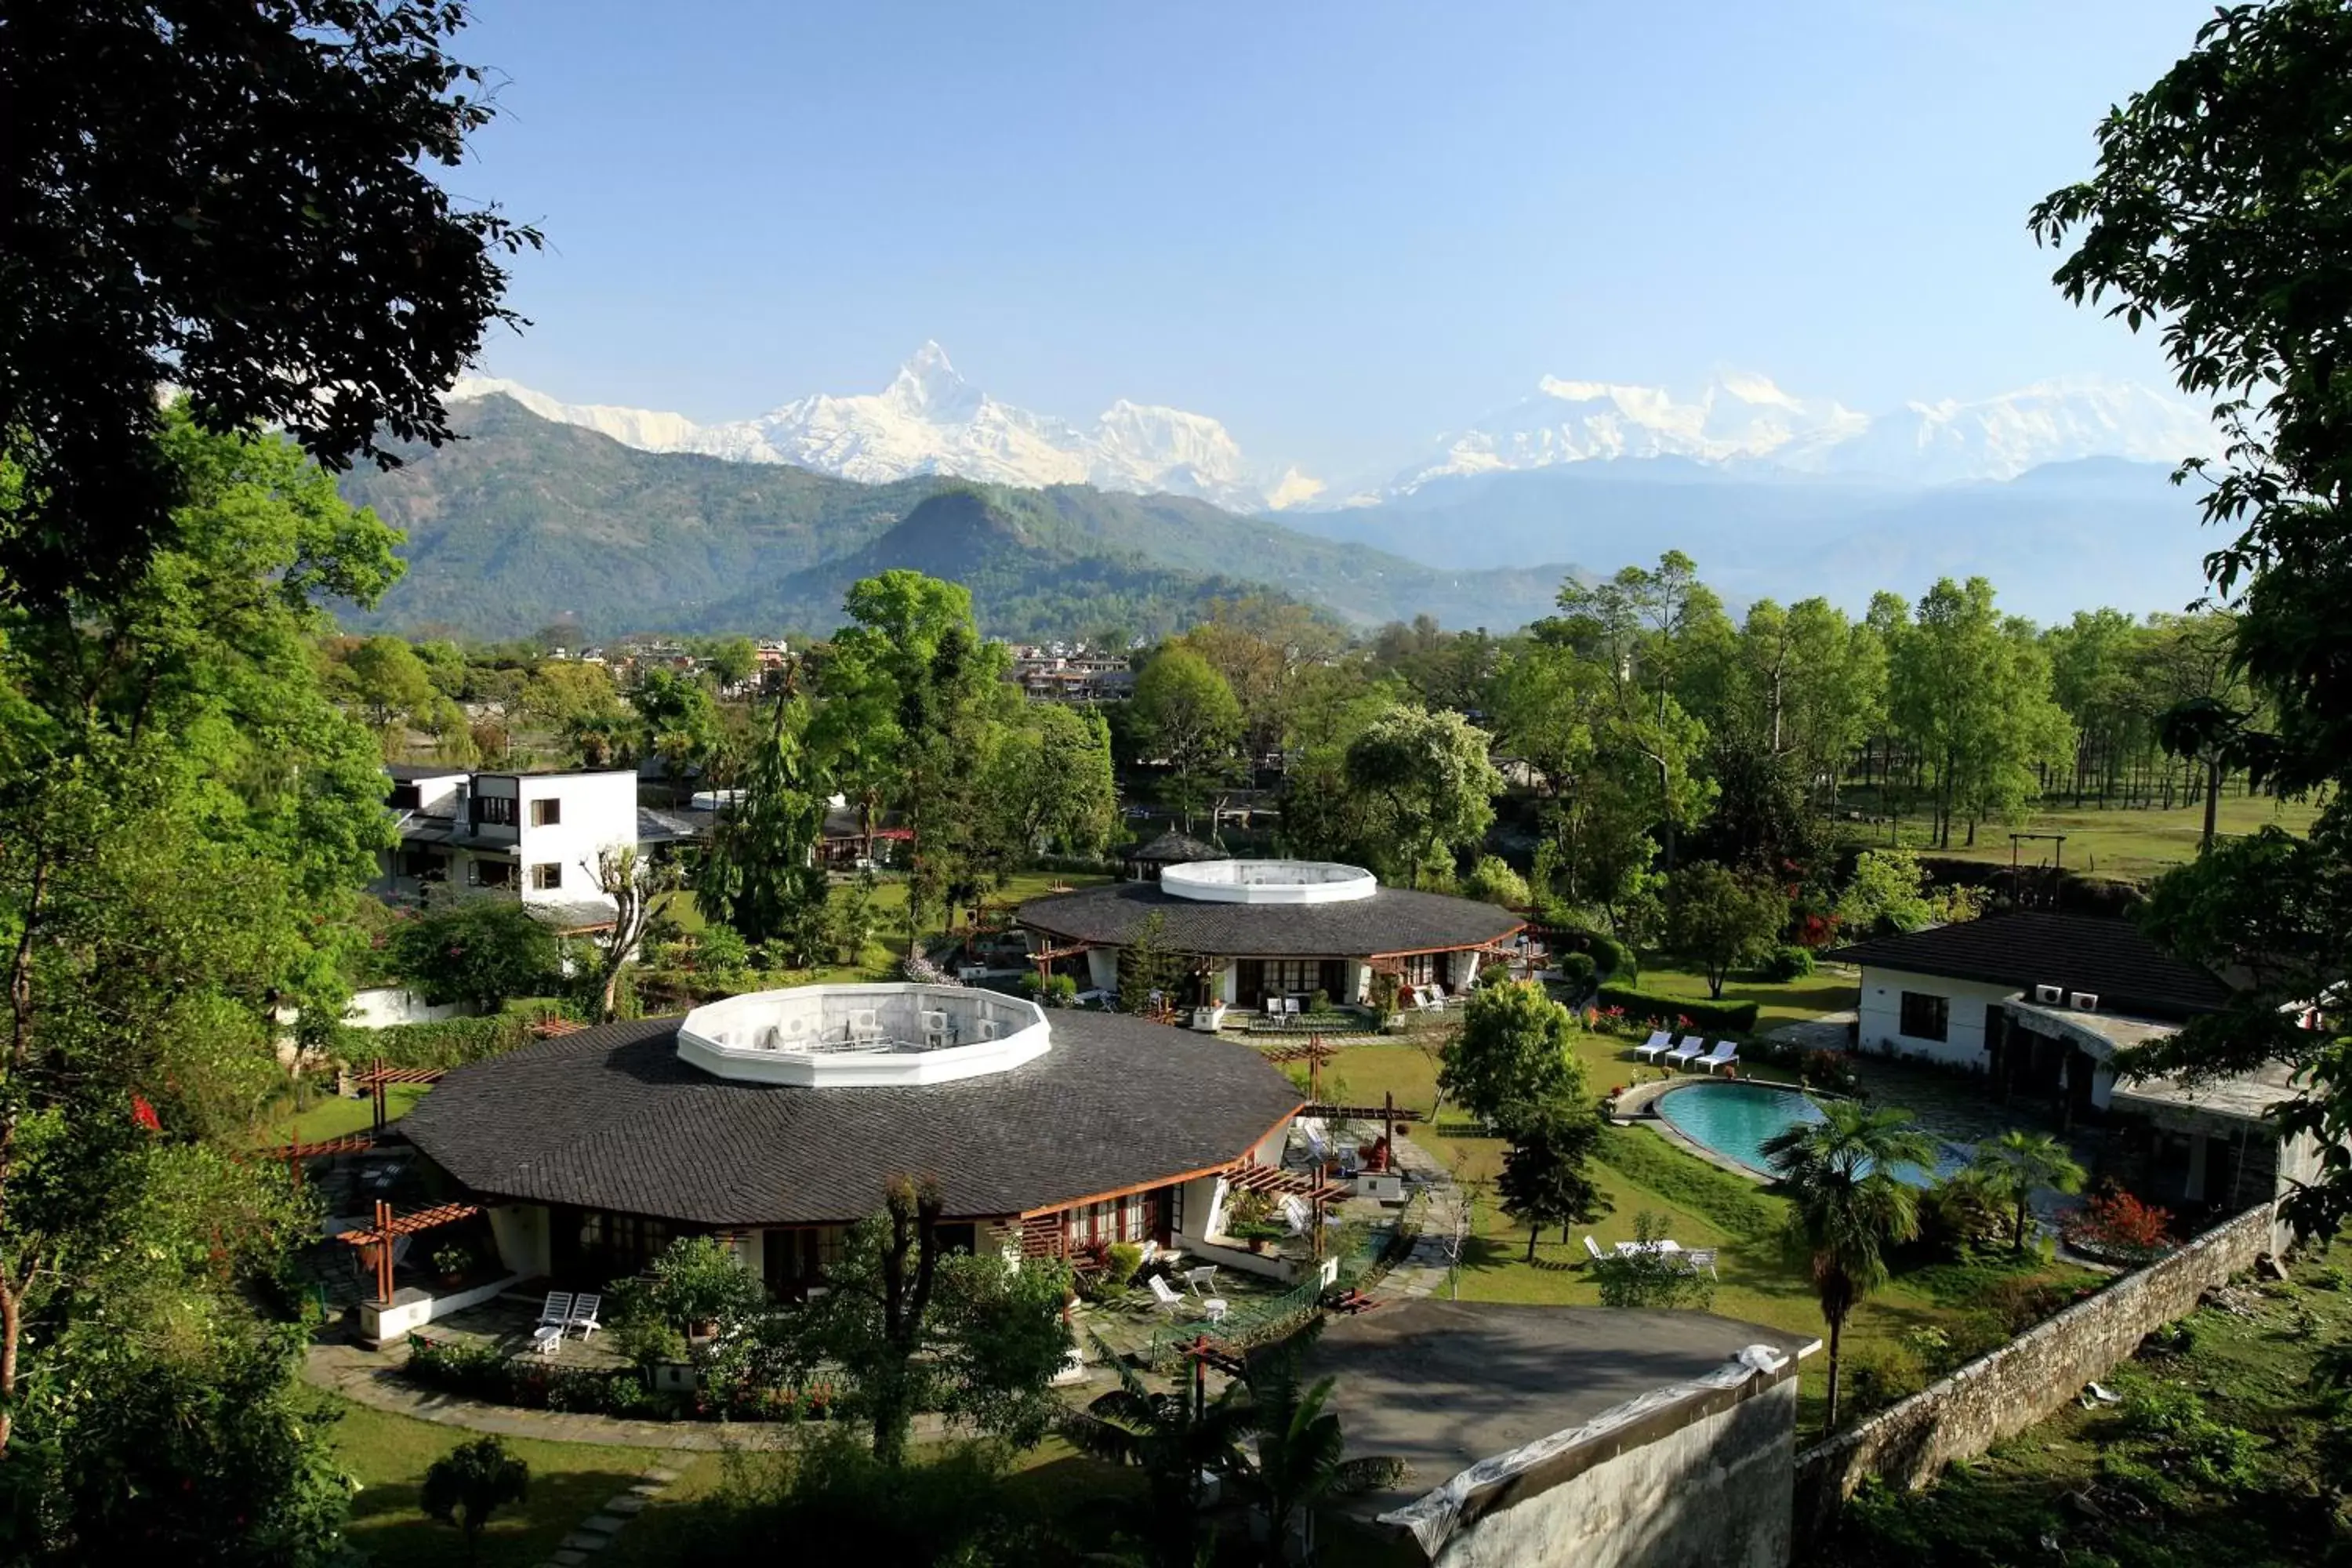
(333, 1117)
(1703, 1207)
(1777, 1001)
(2224, 1449)
(2110, 841)
(388, 1455)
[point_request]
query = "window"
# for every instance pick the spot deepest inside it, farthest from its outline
(406, 797)
(490, 873)
(494, 811)
(546, 813)
(547, 875)
(1926, 1017)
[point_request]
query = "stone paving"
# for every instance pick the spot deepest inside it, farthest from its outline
(597, 1531)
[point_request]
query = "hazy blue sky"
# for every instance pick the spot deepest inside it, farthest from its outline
(1338, 227)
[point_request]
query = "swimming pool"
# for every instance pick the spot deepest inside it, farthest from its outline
(1734, 1120)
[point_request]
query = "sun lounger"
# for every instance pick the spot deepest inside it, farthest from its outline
(558, 1309)
(1295, 1212)
(1166, 1297)
(1725, 1052)
(1690, 1051)
(1593, 1247)
(1701, 1257)
(1657, 1044)
(1201, 1280)
(583, 1313)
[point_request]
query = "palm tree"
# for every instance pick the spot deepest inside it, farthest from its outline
(2013, 1166)
(1850, 1207)
(1300, 1461)
(1174, 1438)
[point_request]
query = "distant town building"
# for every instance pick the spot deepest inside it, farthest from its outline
(1071, 672)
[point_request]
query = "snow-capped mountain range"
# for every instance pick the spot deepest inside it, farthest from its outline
(930, 420)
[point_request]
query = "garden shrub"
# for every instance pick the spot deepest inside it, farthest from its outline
(488, 1374)
(452, 1042)
(2117, 1228)
(1613, 959)
(1681, 1013)
(1786, 963)
(1577, 969)
(1650, 1280)
(1878, 1375)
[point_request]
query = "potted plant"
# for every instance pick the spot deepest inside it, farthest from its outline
(1251, 1219)
(452, 1261)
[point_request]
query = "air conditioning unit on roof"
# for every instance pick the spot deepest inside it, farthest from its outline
(2050, 995)
(2086, 1002)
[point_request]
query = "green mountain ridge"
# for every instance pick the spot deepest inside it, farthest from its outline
(526, 521)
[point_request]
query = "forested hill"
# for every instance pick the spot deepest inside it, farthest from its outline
(527, 521)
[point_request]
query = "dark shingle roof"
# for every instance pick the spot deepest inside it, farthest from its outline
(2112, 959)
(1174, 848)
(1393, 920)
(610, 1118)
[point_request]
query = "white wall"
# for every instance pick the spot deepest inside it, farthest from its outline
(381, 1006)
(1881, 1016)
(521, 1233)
(599, 812)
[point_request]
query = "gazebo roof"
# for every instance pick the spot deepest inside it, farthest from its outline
(1390, 921)
(612, 1118)
(1174, 848)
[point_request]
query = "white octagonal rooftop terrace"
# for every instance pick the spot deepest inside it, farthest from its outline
(863, 1036)
(1268, 882)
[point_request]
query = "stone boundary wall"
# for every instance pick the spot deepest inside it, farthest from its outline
(2001, 1394)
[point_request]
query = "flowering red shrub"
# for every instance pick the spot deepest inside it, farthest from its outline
(2115, 1224)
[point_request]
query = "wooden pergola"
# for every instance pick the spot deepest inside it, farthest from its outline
(389, 1227)
(379, 1077)
(295, 1154)
(1312, 1051)
(1387, 1113)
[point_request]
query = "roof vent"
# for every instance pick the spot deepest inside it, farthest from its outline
(2050, 995)
(2086, 1001)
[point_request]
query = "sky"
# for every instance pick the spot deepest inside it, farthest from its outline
(1340, 228)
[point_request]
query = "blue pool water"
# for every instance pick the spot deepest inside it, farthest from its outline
(1734, 1118)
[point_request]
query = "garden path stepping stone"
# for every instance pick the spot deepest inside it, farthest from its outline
(601, 1523)
(581, 1541)
(627, 1503)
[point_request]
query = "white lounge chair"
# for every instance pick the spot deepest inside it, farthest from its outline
(1690, 1051)
(1166, 1297)
(1636, 1249)
(1296, 1214)
(1593, 1247)
(1701, 1257)
(557, 1310)
(1725, 1052)
(1660, 1042)
(1201, 1281)
(583, 1313)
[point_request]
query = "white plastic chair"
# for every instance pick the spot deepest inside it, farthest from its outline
(1724, 1054)
(583, 1313)
(1200, 1281)
(1699, 1257)
(1690, 1051)
(557, 1310)
(1593, 1247)
(1165, 1296)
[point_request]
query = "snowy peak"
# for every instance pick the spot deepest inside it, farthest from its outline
(1742, 420)
(930, 420)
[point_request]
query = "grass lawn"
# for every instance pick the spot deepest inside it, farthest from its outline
(330, 1116)
(2110, 841)
(1777, 1001)
(388, 1455)
(2250, 1476)
(1703, 1207)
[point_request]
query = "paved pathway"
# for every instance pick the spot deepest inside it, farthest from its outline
(597, 1531)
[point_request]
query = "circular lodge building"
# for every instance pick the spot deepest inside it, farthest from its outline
(1272, 930)
(775, 1119)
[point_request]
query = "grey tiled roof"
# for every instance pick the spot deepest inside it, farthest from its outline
(1393, 920)
(1174, 848)
(610, 1118)
(2113, 959)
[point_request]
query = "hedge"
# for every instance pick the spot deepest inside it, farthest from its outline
(1679, 1012)
(451, 1042)
(487, 1373)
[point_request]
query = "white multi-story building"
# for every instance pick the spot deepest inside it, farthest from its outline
(535, 835)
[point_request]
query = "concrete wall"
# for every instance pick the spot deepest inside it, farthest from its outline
(524, 1238)
(2000, 1394)
(1696, 1476)
(381, 1006)
(1881, 1016)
